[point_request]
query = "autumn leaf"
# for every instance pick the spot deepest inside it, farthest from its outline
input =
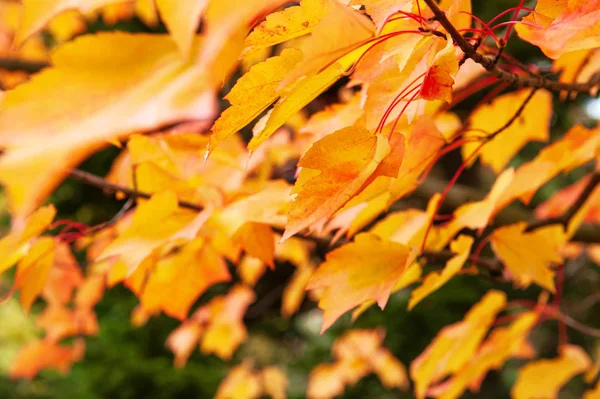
(43, 354)
(33, 270)
(179, 279)
(252, 94)
(154, 223)
(115, 83)
(533, 124)
(559, 27)
(15, 245)
(342, 277)
(528, 255)
(182, 19)
(433, 281)
(286, 24)
(545, 378)
(346, 159)
(454, 345)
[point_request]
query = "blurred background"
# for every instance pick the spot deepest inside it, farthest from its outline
(125, 362)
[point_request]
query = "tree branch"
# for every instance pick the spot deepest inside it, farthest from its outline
(13, 64)
(488, 63)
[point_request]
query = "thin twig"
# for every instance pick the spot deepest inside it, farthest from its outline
(489, 64)
(14, 64)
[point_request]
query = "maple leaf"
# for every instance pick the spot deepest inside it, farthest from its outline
(15, 245)
(346, 159)
(136, 82)
(241, 382)
(179, 279)
(528, 255)
(339, 32)
(558, 27)
(253, 93)
(433, 281)
(533, 124)
(182, 19)
(502, 344)
(343, 277)
(544, 378)
(154, 224)
(38, 355)
(33, 270)
(454, 345)
(285, 25)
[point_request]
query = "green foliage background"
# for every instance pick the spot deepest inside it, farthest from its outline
(124, 362)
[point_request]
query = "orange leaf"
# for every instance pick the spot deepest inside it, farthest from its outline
(544, 378)
(562, 26)
(455, 344)
(182, 342)
(346, 159)
(344, 281)
(39, 355)
(439, 79)
(528, 255)
(179, 279)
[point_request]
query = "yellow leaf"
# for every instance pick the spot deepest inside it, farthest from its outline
(528, 255)
(502, 344)
(154, 223)
(37, 14)
(593, 393)
(433, 281)
(455, 344)
(346, 159)
(258, 240)
(179, 279)
(33, 270)
(300, 95)
(182, 19)
(274, 382)
(285, 25)
(344, 281)
(101, 87)
(252, 94)
(15, 245)
(544, 378)
(532, 125)
(294, 291)
(339, 32)
(226, 330)
(241, 382)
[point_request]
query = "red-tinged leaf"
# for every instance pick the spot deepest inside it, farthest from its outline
(344, 281)
(439, 79)
(561, 26)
